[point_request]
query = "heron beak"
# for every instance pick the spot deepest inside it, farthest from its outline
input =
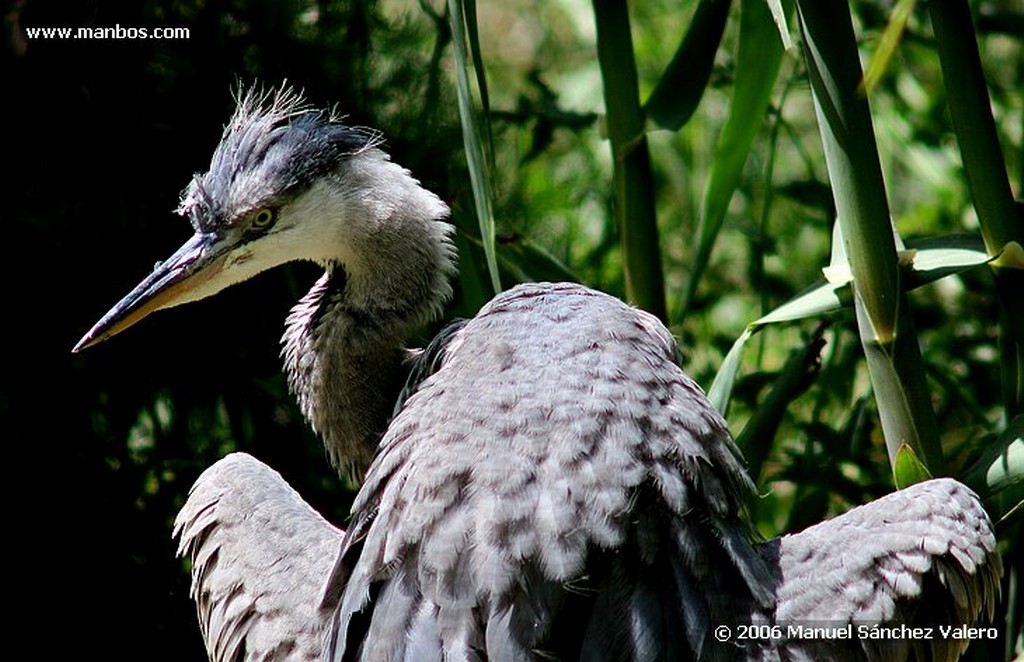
(177, 280)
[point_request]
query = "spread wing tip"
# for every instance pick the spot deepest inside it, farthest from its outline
(260, 558)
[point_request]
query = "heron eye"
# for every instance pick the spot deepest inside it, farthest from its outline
(264, 218)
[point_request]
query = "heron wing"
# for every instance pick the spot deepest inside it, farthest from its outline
(260, 556)
(922, 557)
(557, 486)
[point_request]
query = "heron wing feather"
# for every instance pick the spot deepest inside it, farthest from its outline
(260, 556)
(920, 557)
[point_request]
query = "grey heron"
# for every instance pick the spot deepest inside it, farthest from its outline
(550, 484)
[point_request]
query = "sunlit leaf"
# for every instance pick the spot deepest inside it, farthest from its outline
(908, 469)
(923, 262)
(937, 257)
(779, 14)
(998, 475)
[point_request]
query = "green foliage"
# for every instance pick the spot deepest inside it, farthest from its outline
(789, 151)
(999, 472)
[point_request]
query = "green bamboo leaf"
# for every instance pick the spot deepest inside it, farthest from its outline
(937, 257)
(760, 431)
(822, 298)
(923, 262)
(758, 60)
(473, 39)
(779, 15)
(908, 469)
(684, 80)
(474, 128)
(721, 388)
(887, 45)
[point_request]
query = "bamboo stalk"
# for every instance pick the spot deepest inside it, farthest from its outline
(634, 185)
(985, 168)
(882, 310)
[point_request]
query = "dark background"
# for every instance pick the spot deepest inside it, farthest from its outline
(101, 447)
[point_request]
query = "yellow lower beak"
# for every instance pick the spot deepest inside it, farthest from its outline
(170, 284)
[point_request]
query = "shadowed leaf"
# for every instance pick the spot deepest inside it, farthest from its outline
(684, 80)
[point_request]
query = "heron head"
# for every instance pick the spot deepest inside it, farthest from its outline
(287, 182)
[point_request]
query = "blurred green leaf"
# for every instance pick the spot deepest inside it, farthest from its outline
(887, 45)
(758, 60)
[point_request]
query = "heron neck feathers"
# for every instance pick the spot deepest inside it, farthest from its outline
(342, 345)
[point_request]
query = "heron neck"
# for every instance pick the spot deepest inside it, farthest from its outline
(343, 343)
(344, 370)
